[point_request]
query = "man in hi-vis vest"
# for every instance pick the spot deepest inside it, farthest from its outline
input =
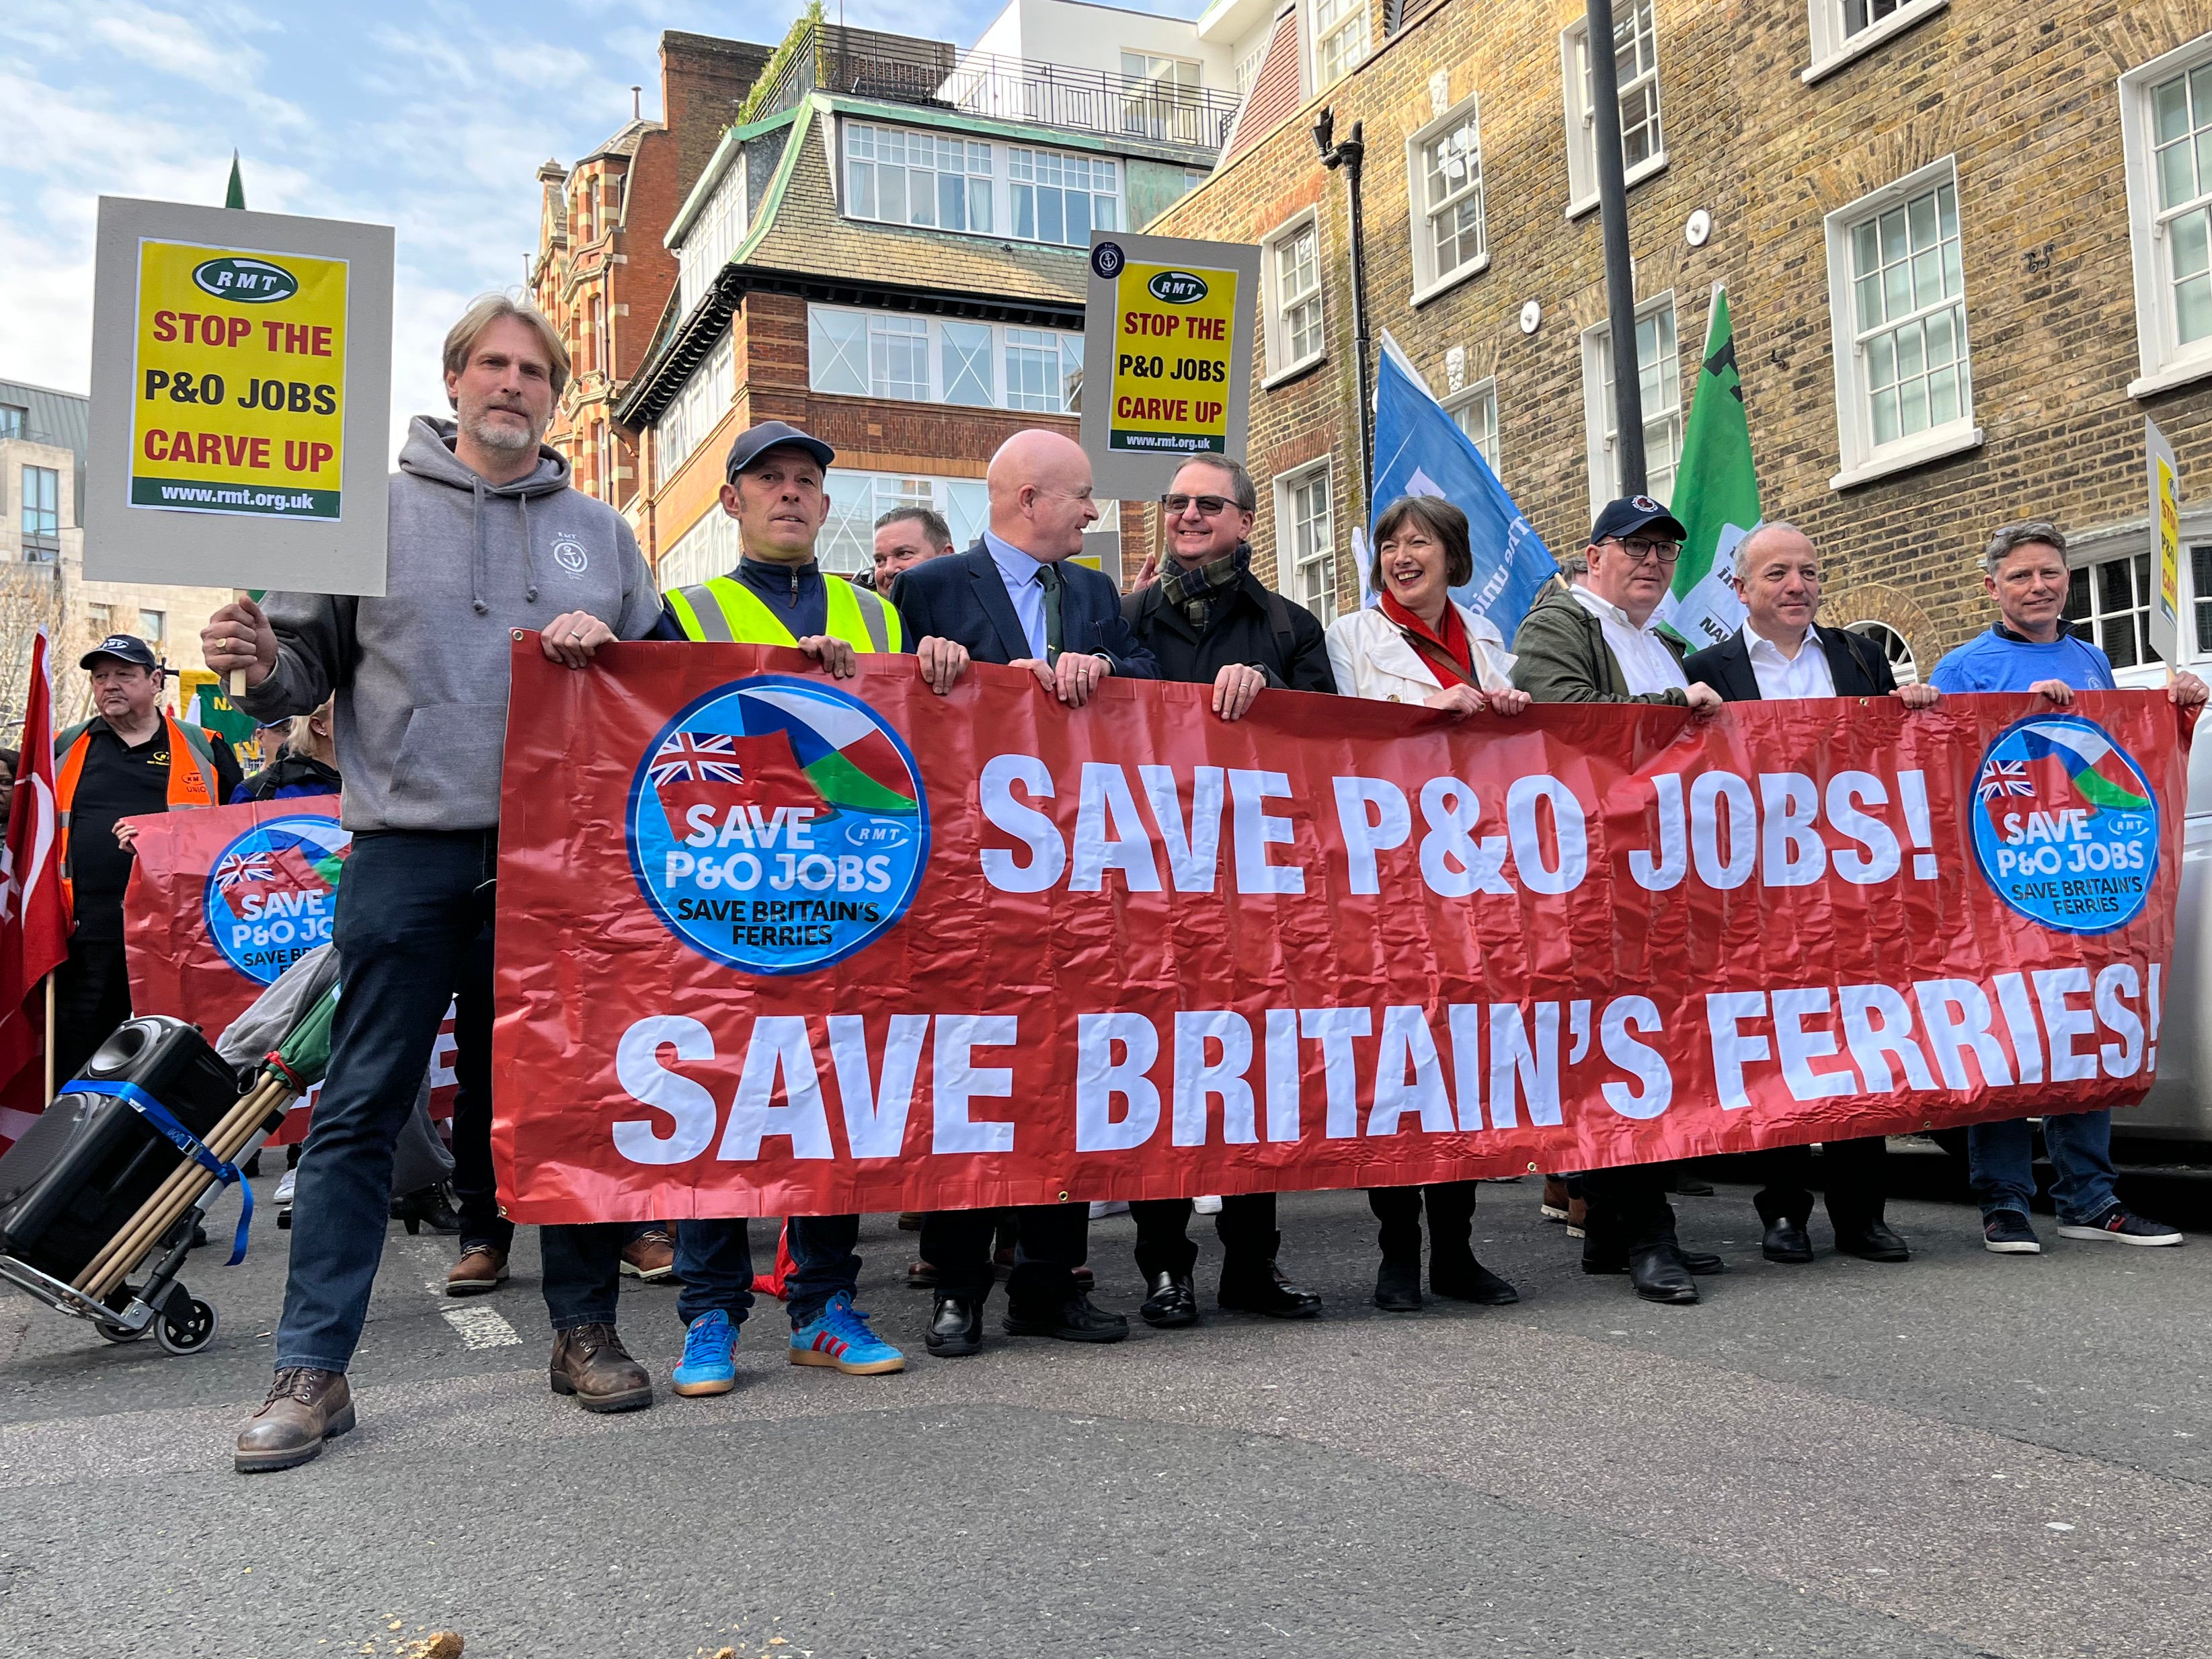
(129, 760)
(778, 595)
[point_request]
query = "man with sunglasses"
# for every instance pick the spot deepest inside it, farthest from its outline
(1210, 622)
(1597, 642)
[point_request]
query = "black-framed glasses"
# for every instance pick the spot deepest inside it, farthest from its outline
(1639, 548)
(1211, 506)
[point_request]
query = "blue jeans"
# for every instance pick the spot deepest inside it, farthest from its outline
(714, 1260)
(2000, 1161)
(411, 910)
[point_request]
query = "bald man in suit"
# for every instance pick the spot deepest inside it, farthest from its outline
(1017, 598)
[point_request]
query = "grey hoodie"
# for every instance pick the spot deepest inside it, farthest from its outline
(421, 674)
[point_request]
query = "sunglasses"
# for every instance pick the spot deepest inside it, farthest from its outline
(1210, 505)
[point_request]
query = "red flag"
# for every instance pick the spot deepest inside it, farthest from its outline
(34, 921)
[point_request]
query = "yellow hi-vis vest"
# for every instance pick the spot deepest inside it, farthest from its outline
(730, 613)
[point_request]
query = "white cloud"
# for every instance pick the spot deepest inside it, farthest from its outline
(430, 116)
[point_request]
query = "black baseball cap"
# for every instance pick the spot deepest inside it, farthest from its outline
(1631, 513)
(773, 434)
(123, 647)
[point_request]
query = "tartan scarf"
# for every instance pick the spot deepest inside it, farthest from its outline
(1197, 592)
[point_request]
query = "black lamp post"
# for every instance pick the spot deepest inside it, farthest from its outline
(1348, 154)
(1620, 268)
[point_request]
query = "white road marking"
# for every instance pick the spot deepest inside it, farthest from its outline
(482, 1328)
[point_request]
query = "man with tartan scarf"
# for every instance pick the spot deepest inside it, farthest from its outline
(1210, 622)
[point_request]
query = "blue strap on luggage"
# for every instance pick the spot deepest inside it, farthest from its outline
(185, 1141)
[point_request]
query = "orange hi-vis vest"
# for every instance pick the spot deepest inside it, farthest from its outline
(192, 779)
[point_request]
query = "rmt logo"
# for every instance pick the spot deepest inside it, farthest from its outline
(1177, 288)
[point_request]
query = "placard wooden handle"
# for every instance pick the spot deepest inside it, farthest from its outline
(238, 675)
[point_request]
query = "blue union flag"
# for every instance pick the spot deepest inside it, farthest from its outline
(1419, 450)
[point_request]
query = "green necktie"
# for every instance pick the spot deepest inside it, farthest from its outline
(1049, 576)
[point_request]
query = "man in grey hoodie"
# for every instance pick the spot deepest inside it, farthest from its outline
(486, 538)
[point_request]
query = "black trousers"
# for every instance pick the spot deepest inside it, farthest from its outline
(476, 1187)
(92, 996)
(1628, 1208)
(1051, 1242)
(1246, 1227)
(1450, 1205)
(1855, 1174)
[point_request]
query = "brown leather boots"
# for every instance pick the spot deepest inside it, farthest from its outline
(304, 1408)
(591, 1362)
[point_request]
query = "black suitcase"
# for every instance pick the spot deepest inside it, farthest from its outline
(80, 1171)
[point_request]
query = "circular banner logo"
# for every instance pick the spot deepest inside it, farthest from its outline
(1106, 259)
(2066, 824)
(777, 826)
(272, 893)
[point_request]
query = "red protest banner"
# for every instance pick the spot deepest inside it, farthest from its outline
(772, 944)
(222, 900)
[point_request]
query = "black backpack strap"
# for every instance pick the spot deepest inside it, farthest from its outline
(1279, 618)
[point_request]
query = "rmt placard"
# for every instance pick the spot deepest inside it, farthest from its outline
(1167, 354)
(241, 399)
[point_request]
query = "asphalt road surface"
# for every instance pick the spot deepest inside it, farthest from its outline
(1968, 1454)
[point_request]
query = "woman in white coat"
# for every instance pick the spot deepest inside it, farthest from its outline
(1419, 647)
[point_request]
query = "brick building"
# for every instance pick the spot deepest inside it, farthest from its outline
(1964, 242)
(602, 272)
(886, 248)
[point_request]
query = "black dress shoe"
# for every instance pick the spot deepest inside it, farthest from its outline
(1398, 1286)
(1470, 1281)
(1174, 1302)
(1660, 1275)
(1076, 1320)
(956, 1329)
(1269, 1293)
(1875, 1242)
(1610, 1261)
(1786, 1240)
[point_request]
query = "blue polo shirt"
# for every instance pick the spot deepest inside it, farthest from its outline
(2001, 660)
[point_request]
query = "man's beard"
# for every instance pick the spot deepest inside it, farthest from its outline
(480, 429)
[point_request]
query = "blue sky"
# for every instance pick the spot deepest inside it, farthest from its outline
(432, 118)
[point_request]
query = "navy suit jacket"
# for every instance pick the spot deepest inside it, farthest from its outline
(961, 597)
(1855, 662)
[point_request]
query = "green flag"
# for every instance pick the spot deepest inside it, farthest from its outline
(208, 706)
(1716, 494)
(235, 196)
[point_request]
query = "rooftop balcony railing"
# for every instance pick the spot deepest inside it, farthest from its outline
(899, 70)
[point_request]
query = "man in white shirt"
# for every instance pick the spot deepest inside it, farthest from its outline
(1595, 642)
(1778, 655)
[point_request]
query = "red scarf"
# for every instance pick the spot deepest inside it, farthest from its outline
(1448, 653)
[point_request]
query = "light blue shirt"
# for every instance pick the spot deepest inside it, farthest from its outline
(1019, 572)
(2000, 660)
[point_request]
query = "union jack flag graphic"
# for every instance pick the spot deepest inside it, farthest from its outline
(690, 757)
(241, 868)
(2001, 778)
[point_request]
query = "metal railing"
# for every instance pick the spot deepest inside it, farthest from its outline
(898, 68)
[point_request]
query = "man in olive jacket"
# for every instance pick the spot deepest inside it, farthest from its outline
(1210, 622)
(1597, 642)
